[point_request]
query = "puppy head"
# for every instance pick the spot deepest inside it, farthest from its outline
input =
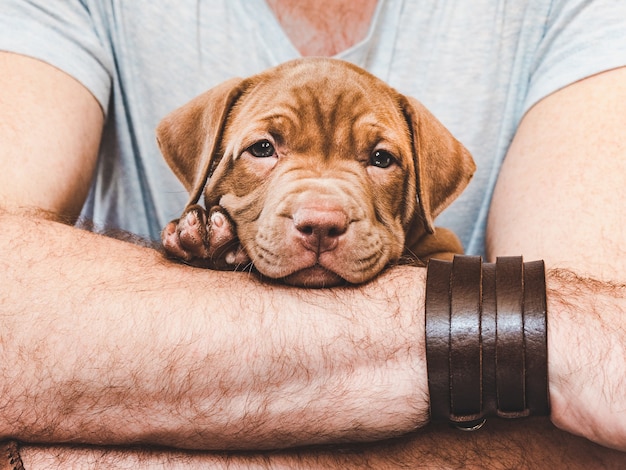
(322, 140)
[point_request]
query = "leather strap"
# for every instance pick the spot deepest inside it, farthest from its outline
(510, 360)
(536, 338)
(465, 355)
(488, 336)
(438, 337)
(486, 339)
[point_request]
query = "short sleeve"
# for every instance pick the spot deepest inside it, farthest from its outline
(581, 38)
(61, 33)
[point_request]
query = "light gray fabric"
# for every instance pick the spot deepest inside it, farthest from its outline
(478, 65)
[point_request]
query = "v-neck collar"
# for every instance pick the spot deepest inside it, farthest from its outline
(355, 53)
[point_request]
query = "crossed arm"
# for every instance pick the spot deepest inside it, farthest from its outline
(130, 353)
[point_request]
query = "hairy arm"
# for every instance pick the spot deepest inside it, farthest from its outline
(109, 343)
(104, 342)
(587, 357)
(500, 445)
(560, 197)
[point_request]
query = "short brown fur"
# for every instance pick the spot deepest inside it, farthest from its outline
(325, 118)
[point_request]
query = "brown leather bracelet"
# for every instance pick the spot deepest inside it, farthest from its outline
(486, 340)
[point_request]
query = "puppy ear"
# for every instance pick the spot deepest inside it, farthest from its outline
(443, 166)
(189, 137)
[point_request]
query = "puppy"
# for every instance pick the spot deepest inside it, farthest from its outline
(315, 173)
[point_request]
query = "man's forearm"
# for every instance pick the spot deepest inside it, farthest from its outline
(532, 443)
(105, 342)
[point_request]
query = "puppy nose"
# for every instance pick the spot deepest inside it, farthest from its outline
(319, 229)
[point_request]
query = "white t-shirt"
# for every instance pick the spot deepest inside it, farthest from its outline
(478, 65)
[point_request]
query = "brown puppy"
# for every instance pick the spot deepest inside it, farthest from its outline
(318, 173)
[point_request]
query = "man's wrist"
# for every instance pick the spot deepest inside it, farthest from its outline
(398, 295)
(586, 357)
(486, 339)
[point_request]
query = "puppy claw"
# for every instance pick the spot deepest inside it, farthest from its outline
(192, 233)
(191, 218)
(222, 230)
(218, 219)
(170, 241)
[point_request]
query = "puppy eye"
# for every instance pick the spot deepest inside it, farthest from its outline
(262, 149)
(382, 159)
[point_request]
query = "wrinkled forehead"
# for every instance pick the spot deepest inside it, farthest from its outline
(328, 98)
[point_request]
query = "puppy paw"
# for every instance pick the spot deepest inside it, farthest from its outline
(204, 239)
